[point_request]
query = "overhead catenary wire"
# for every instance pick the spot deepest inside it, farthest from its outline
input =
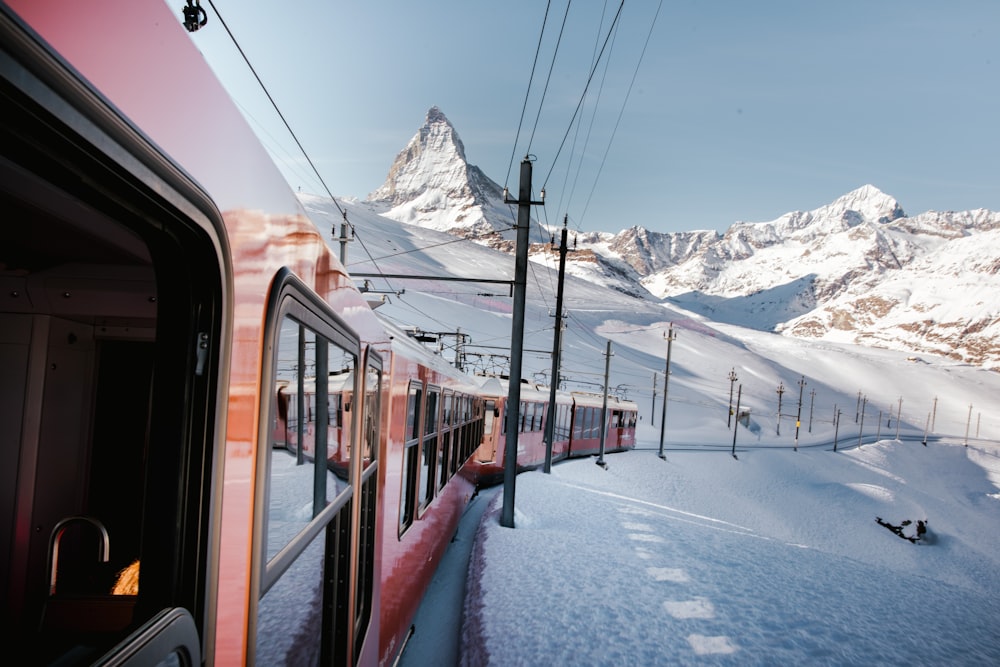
(527, 93)
(583, 95)
(275, 105)
(621, 112)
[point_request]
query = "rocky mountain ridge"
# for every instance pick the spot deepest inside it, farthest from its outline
(856, 270)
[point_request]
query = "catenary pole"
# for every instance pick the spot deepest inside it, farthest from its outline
(524, 204)
(556, 352)
(732, 380)
(652, 410)
(604, 407)
(798, 417)
(670, 335)
(739, 394)
(781, 391)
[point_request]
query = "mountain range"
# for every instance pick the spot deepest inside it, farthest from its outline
(858, 270)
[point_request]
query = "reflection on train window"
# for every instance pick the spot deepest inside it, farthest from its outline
(411, 452)
(370, 433)
(313, 382)
(365, 586)
(307, 495)
(429, 446)
(294, 601)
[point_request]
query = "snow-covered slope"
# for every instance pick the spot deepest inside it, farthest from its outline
(856, 270)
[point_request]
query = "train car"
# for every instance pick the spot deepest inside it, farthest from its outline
(576, 432)
(166, 306)
(619, 427)
(435, 419)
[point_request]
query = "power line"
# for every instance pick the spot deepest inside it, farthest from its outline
(584, 94)
(621, 112)
(527, 93)
(275, 105)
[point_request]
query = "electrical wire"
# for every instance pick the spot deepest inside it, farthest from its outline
(583, 96)
(621, 112)
(275, 105)
(527, 93)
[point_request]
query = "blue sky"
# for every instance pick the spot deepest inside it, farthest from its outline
(737, 110)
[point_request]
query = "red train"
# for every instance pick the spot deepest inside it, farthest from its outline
(193, 390)
(576, 432)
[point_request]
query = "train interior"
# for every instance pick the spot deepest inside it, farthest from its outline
(85, 268)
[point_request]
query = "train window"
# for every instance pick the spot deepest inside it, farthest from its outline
(428, 446)
(309, 461)
(369, 494)
(370, 433)
(307, 495)
(413, 412)
(408, 489)
(488, 418)
(449, 400)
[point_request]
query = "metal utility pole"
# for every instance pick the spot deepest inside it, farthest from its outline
(968, 421)
(798, 417)
(934, 414)
(556, 351)
(812, 402)
(524, 205)
(604, 407)
(739, 394)
(836, 428)
(861, 429)
(899, 415)
(781, 390)
(732, 379)
(857, 411)
(670, 336)
(652, 410)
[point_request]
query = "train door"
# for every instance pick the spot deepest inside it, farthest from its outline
(111, 317)
(304, 521)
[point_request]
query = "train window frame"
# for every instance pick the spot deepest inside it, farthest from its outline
(429, 445)
(409, 477)
(291, 299)
(76, 144)
(367, 506)
(447, 434)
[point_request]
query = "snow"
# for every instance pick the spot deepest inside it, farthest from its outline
(773, 557)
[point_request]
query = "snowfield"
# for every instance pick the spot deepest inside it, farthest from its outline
(771, 558)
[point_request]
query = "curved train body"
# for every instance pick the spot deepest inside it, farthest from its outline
(193, 387)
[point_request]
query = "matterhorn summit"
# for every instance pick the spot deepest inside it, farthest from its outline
(430, 184)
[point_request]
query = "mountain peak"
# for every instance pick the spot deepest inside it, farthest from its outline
(430, 184)
(868, 202)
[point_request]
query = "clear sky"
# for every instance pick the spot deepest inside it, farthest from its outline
(734, 111)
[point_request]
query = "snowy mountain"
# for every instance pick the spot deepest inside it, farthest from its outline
(430, 184)
(857, 270)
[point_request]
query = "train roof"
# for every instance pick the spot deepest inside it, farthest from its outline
(533, 391)
(400, 342)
